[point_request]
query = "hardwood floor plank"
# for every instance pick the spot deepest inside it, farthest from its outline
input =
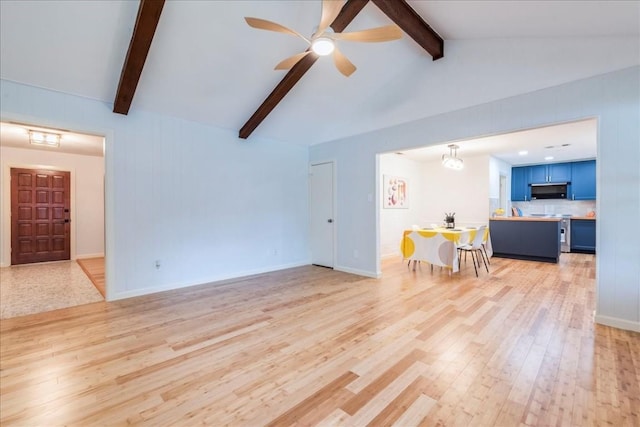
(302, 408)
(94, 269)
(401, 404)
(414, 415)
(312, 346)
(384, 379)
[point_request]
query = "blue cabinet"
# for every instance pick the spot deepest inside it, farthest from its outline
(583, 184)
(520, 184)
(583, 235)
(555, 172)
(580, 175)
(560, 172)
(538, 174)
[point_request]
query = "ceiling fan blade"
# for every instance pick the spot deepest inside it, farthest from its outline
(330, 10)
(379, 34)
(291, 61)
(343, 65)
(263, 24)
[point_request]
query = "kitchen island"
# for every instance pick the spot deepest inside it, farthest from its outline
(527, 238)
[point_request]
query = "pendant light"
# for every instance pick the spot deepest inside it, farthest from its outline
(451, 160)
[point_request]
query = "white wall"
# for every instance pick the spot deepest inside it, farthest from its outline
(499, 168)
(87, 197)
(613, 98)
(465, 192)
(203, 202)
(394, 221)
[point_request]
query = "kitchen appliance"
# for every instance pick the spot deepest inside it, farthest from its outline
(549, 191)
(565, 233)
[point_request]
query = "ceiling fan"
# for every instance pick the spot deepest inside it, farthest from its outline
(322, 42)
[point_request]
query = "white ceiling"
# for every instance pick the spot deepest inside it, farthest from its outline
(17, 135)
(206, 64)
(564, 142)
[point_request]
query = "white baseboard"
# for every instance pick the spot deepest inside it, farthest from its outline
(615, 322)
(211, 280)
(364, 273)
(85, 256)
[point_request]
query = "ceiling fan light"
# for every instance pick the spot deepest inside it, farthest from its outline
(322, 46)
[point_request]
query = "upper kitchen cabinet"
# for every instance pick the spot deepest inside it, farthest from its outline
(520, 184)
(560, 172)
(583, 183)
(555, 172)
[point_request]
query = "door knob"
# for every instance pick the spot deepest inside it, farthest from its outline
(329, 220)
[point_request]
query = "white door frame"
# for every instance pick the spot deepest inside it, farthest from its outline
(109, 175)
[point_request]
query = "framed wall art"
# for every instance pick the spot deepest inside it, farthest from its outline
(396, 192)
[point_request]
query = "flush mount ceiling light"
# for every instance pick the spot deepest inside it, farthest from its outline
(451, 160)
(44, 138)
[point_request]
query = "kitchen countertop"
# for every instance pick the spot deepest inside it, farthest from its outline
(525, 218)
(593, 218)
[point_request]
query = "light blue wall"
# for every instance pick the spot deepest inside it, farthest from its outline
(210, 206)
(206, 204)
(613, 98)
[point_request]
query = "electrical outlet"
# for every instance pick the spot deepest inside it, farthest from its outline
(157, 264)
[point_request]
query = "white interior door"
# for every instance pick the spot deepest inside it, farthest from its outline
(321, 214)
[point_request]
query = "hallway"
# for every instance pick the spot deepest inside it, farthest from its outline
(36, 288)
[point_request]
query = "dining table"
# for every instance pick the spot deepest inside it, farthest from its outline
(439, 246)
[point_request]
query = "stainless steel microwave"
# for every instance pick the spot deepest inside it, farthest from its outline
(549, 191)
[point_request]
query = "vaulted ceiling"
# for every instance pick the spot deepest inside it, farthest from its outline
(207, 65)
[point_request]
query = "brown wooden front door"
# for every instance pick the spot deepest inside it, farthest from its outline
(40, 216)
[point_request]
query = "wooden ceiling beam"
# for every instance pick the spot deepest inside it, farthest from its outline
(411, 23)
(349, 11)
(146, 22)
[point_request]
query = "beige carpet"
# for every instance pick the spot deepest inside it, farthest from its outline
(36, 288)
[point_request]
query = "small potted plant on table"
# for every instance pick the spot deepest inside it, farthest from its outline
(450, 219)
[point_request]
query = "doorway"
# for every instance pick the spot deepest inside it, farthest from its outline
(488, 161)
(52, 214)
(321, 215)
(40, 216)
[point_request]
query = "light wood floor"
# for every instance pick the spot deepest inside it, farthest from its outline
(313, 346)
(94, 269)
